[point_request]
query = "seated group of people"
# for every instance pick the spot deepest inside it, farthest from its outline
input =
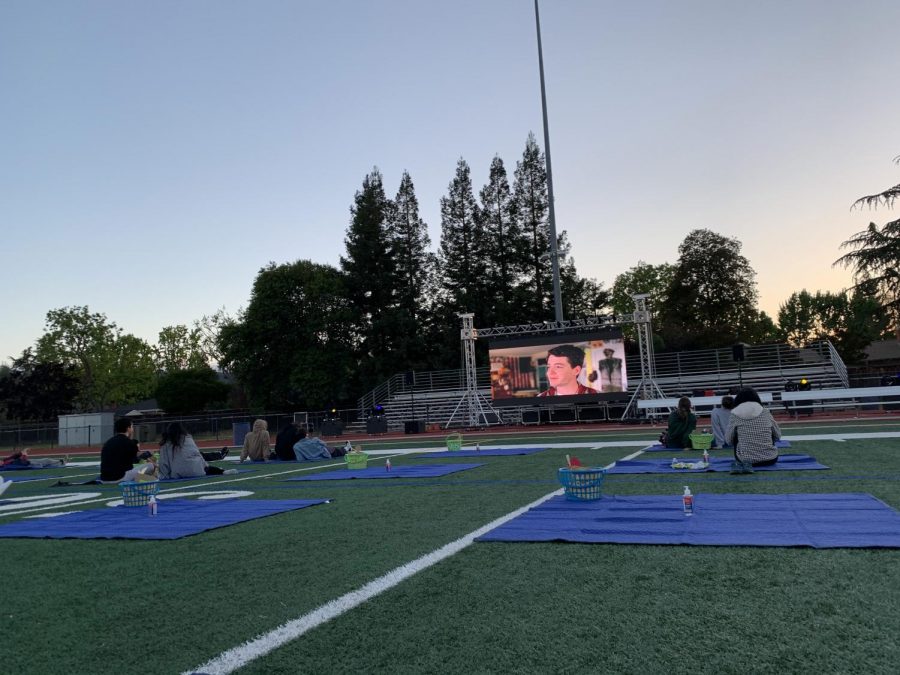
(179, 456)
(742, 423)
(291, 443)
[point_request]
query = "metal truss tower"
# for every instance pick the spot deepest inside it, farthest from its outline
(476, 406)
(647, 388)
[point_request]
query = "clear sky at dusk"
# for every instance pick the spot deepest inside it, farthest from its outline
(155, 155)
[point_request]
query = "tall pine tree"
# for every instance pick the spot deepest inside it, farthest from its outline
(463, 264)
(503, 242)
(532, 209)
(408, 244)
(370, 272)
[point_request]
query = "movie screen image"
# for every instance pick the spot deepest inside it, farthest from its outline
(553, 366)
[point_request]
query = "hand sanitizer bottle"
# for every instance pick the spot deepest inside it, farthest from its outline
(706, 457)
(151, 505)
(687, 501)
(387, 465)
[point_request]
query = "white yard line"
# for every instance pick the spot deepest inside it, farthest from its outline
(177, 488)
(237, 657)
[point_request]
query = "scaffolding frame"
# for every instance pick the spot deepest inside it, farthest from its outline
(477, 406)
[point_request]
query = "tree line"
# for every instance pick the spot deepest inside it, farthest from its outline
(315, 335)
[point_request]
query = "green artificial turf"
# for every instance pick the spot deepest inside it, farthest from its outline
(91, 606)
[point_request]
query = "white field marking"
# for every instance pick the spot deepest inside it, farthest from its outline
(52, 515)
(10, 504)
(237, 657)
(231, 494)
(846, 437)
(83, 465)
(64, 477)
(839, 440)
(88, 496)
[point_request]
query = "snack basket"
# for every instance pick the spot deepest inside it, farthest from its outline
(701, 441)
(356, 460)
(138, 494)
(454, 442)
(582, 484)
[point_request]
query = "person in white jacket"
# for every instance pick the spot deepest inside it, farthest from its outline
(179, 456)
(720, 418)
(752, 431)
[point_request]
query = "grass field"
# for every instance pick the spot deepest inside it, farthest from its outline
(97, 606)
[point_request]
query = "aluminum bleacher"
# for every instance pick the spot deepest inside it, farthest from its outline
(433, 396)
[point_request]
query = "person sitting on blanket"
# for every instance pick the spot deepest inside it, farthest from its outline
(120, 453)
(720, 418)
(20, 458)
(179, 456)
(284, 442)
(257, 443)
(311, 448)
(681, 423)
(752, 431)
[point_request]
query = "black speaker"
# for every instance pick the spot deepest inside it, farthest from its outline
(377, 424)
(413, 427)
(531, 417)
(409, 378)
(332, 427)
(739, 351)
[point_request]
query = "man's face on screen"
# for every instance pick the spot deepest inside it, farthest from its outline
(561, 374)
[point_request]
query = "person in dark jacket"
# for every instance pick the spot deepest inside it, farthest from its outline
(681, 423)
(284, 441)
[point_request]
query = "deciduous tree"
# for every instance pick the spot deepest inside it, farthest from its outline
(291, 348)
(190, 390)
(112, 367)
(180, 348)
(37, 391)
(711, 299)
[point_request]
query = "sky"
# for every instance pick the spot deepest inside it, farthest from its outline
(155, 155)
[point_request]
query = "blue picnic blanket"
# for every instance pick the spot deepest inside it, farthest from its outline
(784, 463)
(841, 520)
(406, 471)
(782, 444)
(175, 518)
(494, 452)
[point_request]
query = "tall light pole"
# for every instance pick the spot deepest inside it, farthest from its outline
(554, 255)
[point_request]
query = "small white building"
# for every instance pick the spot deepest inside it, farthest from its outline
(86, 429)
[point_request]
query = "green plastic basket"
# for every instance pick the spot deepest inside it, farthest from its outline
(356, 460)
(454, 442)
(583, 484)
(701, 441)
(138, 494)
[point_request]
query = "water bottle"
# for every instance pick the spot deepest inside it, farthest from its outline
(387, 465)
(151, 505)
(706, 456)
(687, 501)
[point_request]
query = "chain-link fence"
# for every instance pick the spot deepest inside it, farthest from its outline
(218, 426)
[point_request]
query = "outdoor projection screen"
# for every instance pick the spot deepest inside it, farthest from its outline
(555, 368)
